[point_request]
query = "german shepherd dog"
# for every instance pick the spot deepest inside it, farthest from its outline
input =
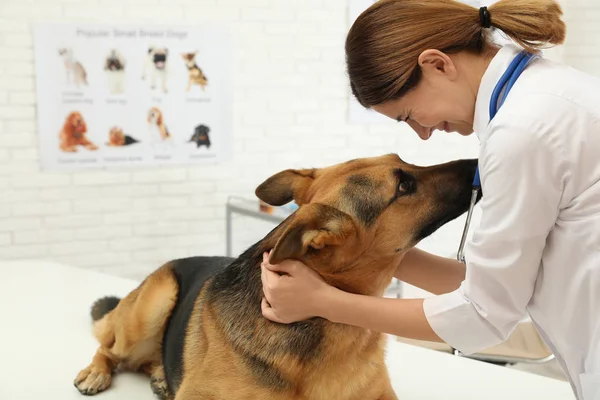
(195, 325)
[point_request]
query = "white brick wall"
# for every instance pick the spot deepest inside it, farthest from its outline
(290, 94)
(582, 48)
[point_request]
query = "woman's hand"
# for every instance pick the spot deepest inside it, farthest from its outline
(295, 296)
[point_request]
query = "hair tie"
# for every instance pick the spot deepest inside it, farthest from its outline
(484, 17)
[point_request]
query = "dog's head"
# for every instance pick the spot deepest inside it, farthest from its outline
(155, 116)
(189, 57)
(116, 136)
(201, 132)
(158, 55)
(75, 125)
(114, 61)
(361, 216)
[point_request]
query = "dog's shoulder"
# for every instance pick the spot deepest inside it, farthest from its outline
(191, 275)
(235, 295)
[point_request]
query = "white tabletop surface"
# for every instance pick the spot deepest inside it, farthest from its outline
(45, 339)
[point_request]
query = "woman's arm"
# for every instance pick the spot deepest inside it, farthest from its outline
(429, 272)
(400, 317)
(300, 293)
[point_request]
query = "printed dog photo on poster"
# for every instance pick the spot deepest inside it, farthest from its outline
(118, 138)
(75, 73)
(73, 134)
(160, 135)
(201, 137)
(114, 67)
(196, 76)
(156, 67)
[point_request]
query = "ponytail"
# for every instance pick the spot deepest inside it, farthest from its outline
(533, 24)
(385, 41)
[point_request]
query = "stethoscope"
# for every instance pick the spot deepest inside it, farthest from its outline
(506, 82)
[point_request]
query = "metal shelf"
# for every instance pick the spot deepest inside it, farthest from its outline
(249, 208)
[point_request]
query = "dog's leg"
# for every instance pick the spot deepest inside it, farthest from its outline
(97, 376)
(120, 82)
(189, 85)
(390, 395)
(164, 81)
(88, 145)
(131, 334)
(388, 392)
(68, 148)
(158, 383)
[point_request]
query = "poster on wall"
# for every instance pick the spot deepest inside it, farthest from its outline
(132, 95)
(357, 113)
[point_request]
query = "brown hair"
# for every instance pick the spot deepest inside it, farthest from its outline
(385, 41)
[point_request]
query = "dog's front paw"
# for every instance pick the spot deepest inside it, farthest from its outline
(92, 380)
(159, 388)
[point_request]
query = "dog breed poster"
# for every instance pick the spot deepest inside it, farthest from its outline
(132, 95)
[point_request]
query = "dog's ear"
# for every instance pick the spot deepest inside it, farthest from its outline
(314, 227)
(285, 186)
(68, 127)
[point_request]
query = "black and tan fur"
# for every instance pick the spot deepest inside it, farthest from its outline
(195, 74)
(117, 138)
(195, 325)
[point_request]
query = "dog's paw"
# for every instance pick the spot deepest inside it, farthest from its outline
(92, 380)
(159, 388)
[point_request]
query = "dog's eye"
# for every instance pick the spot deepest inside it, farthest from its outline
(404, 187)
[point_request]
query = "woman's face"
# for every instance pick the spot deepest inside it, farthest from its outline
(443, 100)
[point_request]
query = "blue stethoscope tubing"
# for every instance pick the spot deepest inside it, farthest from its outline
(501, 90)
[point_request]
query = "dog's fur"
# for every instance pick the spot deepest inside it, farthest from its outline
(157, 62)
(200, 136)
(195, 74)
(73, 134)
(73, 67)
(114, 66)
(116, 138)
(195, 324)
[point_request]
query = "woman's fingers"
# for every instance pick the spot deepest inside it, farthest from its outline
(268, 312)
(286, 266)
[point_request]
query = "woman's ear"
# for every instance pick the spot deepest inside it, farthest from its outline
(435, 62)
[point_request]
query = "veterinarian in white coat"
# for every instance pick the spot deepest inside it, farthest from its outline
(536, 251)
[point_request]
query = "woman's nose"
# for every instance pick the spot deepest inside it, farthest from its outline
(423, 132)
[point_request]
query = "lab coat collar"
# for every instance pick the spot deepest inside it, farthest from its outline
(492, 75)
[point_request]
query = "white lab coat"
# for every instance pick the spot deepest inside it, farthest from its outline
(536, 251)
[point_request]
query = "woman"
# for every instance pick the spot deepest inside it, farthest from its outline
(432, 64)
